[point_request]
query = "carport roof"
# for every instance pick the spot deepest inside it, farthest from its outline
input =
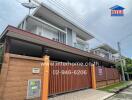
(30, 37)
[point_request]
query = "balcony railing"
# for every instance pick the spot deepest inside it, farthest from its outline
(81, 46)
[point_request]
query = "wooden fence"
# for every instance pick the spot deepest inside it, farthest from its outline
(15, 73)
(106, 76)
(17, 70)
(66, 78)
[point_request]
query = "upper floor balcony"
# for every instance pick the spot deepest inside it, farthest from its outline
(49, 23)
(63, 35)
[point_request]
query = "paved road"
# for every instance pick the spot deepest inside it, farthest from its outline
(123, 95)
(88, 94)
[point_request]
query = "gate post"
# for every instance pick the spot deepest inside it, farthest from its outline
(45, 77)
(93, 72)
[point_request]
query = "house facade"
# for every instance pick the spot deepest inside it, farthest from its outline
(46, 33)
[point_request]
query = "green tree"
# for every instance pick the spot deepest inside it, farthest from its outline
(129, 65)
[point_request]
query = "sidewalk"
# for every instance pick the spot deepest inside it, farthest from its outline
(88, 94)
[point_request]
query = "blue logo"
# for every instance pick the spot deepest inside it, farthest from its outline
(117, 11)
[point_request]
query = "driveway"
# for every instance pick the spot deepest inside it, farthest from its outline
(88, 94)
(123, 95)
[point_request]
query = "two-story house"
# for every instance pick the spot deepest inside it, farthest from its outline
(25, 49)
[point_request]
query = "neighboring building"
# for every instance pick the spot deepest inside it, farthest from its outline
(117, 57)
(105, 51)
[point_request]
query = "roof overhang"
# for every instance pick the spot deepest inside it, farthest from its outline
(51, 15)
(30, 37)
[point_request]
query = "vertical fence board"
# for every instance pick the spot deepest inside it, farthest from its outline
(109, 76)
(68, 79)
(65, 81)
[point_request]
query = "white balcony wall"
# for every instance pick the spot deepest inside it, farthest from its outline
(46, 29)
(47, 32)
(81, 44)
(43, 31)
(32, 28)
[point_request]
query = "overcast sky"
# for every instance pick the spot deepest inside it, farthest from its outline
(93, 15)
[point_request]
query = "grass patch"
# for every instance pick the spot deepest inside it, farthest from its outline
(115, 87)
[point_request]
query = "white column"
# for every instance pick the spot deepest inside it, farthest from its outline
(73, 38)
(66, 36)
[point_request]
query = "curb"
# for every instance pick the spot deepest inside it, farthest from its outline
(123, 88)
(119, 91)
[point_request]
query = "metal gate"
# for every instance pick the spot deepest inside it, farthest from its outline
(68, 77)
